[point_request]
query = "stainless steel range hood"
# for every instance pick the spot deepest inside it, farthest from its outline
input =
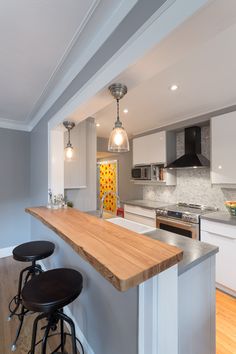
(193, 157)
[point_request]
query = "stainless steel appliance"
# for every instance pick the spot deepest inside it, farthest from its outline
(182, 218)
(141, 172)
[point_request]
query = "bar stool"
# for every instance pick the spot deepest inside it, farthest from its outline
(47, 294)
(27, 252)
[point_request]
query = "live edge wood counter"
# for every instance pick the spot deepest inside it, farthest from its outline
(123, 257)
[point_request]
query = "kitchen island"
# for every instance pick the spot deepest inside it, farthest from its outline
(130, 301)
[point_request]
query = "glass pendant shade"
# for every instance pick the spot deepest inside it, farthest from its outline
(118, 141)
(69, 153)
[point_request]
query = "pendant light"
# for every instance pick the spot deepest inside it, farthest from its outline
(118, 141)
(69, 152)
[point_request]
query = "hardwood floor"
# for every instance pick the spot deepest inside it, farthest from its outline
(9, 270)
(225, 324)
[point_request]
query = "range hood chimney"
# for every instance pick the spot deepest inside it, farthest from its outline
(192, 157)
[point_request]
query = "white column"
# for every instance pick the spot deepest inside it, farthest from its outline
(158, 314)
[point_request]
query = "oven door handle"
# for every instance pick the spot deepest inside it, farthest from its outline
(171, 222)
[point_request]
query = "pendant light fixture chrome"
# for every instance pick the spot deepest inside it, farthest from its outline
(69, 148)
(118, 141)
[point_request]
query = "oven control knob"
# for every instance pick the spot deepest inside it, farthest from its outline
(164, 212)
(158, 212)
(186, 217)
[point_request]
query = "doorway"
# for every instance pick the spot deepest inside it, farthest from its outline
(107, 180)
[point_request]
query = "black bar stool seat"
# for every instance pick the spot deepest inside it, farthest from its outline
(52, 290)
(33, 251)
(47, 294)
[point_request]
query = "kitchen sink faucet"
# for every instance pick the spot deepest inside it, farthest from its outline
(104, 197)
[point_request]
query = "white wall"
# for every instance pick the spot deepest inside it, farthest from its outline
(86, 199)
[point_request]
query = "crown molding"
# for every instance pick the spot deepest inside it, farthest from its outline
(14, 125)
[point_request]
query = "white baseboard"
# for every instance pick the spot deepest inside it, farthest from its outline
(226, 290)
(79, 333)
(6, 252)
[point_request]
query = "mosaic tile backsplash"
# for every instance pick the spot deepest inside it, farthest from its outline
(193, 186)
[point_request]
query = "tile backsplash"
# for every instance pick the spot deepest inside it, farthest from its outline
(193, 186)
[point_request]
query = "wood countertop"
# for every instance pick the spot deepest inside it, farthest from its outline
(121, 256)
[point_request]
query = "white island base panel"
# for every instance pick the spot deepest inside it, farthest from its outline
(158, 314)
(177, 313)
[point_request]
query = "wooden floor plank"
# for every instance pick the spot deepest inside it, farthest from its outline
(225, 323)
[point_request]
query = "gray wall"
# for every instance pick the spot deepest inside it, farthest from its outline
(127, 189)
(14, 187)
(193, 185)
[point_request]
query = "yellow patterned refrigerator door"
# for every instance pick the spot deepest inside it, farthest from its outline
(108, 182)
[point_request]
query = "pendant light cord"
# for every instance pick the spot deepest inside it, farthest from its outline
(68, 143)
(118, 109)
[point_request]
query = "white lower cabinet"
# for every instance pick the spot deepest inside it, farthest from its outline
(141, 215)
(223, 236)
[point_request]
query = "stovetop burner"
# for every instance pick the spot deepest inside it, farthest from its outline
(197, 206)
(185, 211)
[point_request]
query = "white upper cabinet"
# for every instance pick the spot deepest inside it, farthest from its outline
(150, 149)
(223, 148)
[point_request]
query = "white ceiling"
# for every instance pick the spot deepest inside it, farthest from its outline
(200, 56)
(35, 37)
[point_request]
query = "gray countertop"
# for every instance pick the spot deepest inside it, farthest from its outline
(149, 204)
(220, 216)
(195, 252)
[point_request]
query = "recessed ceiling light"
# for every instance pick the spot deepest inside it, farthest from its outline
(97, 124)
(125, 111)
(174, 87)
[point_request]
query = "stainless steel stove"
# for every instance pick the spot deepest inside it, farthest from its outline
(182, 218)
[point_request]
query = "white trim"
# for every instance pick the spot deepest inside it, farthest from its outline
(225, 289)
(158, 314)
(79, 333)
(6, 252)
(13, 124)
(163, 21)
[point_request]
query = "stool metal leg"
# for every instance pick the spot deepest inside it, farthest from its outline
(73, 335)
(34, 333)
(17, 297)
(45, 337)
(62, 335)
(21, 319)
(32, 270)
